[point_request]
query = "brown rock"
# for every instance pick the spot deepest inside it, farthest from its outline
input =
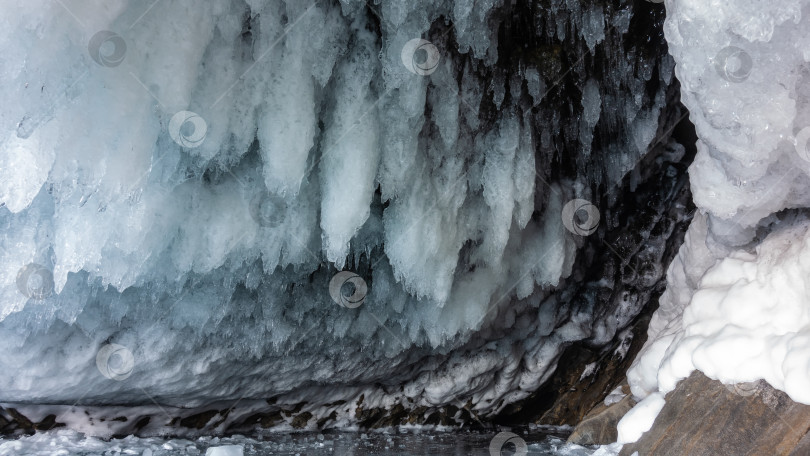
(322, 422)
(301, 420)
(803, 447)
(199, 420)
(703, 417)
(142, 423)
(48, 423)
(22, 421)
(265, 420)
(5, 420)
(599, 426)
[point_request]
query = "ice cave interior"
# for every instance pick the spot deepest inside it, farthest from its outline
(339, 213)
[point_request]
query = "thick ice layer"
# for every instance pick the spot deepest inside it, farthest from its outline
(737, 300)
(181, 182)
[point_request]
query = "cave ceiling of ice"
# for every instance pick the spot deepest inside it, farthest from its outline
(184, 179)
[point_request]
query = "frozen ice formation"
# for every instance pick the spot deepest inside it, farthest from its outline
(181, 182)
(736, 305)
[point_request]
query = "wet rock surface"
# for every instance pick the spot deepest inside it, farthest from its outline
(705, 417)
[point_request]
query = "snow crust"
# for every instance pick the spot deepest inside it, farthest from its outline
(181, 181)
(737, 304)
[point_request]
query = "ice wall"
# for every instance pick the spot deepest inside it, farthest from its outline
(736, 305)
(182, 181)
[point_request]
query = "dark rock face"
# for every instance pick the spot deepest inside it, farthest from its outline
(703, 417)
(199, 420)
(12, 422)
(659, 208)
(569, 396)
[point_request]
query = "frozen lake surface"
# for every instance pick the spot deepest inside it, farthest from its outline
(461, 443)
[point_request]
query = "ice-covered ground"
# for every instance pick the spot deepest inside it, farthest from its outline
(737, 305)
(70, 443)
(180, 183)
